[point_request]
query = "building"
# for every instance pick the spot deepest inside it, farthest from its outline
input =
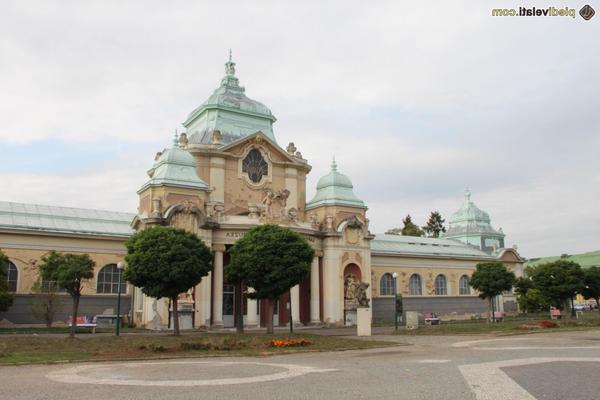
(227, 174)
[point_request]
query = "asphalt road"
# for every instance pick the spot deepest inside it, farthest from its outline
(560, 365)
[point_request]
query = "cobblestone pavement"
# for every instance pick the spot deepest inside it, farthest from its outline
(547, 366)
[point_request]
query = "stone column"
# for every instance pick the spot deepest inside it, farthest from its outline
(252, 316)
(315, 302)
(333, 294)
(217, 298)
(295, 297)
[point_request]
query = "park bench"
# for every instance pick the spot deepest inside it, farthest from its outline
(554, 313)
(431, 318)
(84, 321)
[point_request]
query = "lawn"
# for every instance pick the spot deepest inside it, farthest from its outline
(35, 349)
(511, 326)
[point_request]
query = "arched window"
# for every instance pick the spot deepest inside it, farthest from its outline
(441, 287)
(12, 276)
(108, 280)
(386, 285)
(463, 285)
(414, 285)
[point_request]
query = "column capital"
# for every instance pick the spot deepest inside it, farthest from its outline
(218, 247)
(319, 253)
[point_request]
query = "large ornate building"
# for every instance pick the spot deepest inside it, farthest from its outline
(226, 174)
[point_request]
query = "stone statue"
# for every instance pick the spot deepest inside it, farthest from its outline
(363, 300)
(291, 148)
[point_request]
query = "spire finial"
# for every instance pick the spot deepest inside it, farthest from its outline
(230, 66)
(333, 164)
(467, 194)
(176, 139)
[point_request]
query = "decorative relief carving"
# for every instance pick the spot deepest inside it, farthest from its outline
(329, 223)
(314, 221)
(156, 208)
(274, 203)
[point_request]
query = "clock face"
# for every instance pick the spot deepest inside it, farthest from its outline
(255, 166)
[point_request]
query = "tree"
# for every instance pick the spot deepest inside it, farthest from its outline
(6, 297)
(533, 301)
(410, 229)
(435, 225)
(270, 259)
(491, 279)
(591, 280)
(559, 281)
(165, 262)
(68, 271)
(45, 303)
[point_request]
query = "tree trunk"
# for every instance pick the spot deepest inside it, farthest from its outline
(597, 302)
(490, 310)
(74, 316)
(175, 316)
(270, 329)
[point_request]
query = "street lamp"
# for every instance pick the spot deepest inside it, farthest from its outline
(395, 276)
(120, 267)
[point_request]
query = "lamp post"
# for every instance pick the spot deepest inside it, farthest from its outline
(395, 276)
(289, 307)
(120, 267)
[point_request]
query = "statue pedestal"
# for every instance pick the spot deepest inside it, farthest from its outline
(412, 320)
(363, 321)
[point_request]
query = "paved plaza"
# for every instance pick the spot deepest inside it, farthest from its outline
(545, 366)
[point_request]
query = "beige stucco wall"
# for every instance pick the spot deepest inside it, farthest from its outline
(26, 252)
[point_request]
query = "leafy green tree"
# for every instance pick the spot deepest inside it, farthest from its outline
(435, 225)
(491, 279)
(410, 229)
(45, 303)
(394, 231)
(591, 280)
(270, 259)
(165, 262)
(533, 301)
(559, 281)
(6, 297)
(68, 271)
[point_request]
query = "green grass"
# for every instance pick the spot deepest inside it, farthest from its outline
(510, 326)
(38, 349)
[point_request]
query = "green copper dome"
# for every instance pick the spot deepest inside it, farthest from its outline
(229, 111)
(472, 225)
(335, 189)
(469, 212)
(175, 167)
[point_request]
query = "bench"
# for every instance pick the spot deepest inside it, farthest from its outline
(555, 313)
(84, 321)
(431, 318)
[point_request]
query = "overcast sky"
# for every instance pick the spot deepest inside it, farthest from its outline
(416, 102)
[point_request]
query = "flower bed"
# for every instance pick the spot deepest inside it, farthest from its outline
(548, 324)
(289, 342)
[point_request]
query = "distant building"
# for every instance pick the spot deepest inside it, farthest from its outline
(225, 175)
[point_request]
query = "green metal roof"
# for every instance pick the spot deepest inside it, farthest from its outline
(335, 189)
(421, 246)
(586, 260)
(229, 111)
(175, 167)
(36, 217)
